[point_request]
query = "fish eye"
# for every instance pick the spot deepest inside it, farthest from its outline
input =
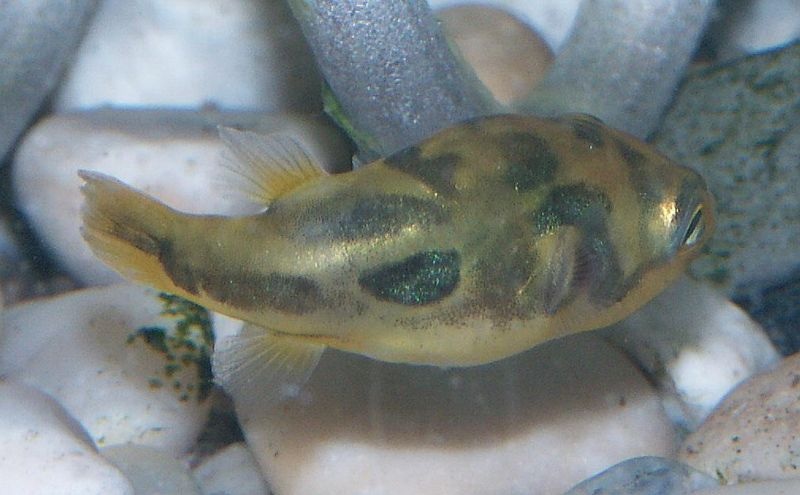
(695, 229)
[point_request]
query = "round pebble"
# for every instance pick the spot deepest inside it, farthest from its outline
(697, 345)
(537, 423)
(507, 56)
(755, 433)
(44, 452)
(151, 471)
(83, 349)
(232, 54)
(762, 488)
(552, 18)
(232, 471)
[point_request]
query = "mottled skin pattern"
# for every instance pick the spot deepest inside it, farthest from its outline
(486, 239)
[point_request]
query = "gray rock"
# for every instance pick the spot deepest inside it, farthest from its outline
(739, 125)
(622, 61)
(645, 476)
(778, 312)
(36, 39)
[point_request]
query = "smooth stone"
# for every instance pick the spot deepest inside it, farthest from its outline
(506, 54)
(38, 37)
(738, 125)
(174, 155)
(754, 435)
(231, 471)
(44, 452)
(232, 54)
(552, 19)
(761, 488)
(751, 26)
(76, 348)
(645, 476)
(151, 471)
(696, 345)
(538, 422)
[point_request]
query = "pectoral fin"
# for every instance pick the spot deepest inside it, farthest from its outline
(268, 166)
(261, 368)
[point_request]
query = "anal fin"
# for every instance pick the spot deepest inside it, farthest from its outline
(260, 368)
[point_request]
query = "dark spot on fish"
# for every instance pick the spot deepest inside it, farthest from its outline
(423, 278)
(134, 236)
(368, 217)
(286, 293)
(633, 158)
(176, 267)
(388, 214)
(576, 204)
(438, 172)
(531, 162)
(587, 129)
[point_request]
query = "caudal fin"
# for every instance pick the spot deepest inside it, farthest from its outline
(125, 228)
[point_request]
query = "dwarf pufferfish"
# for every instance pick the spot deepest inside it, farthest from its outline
(482, 241)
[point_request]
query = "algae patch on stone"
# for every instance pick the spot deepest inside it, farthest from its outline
(188, 343)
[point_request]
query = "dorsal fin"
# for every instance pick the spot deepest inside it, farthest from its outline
(267, 166)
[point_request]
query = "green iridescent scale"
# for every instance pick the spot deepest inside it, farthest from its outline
(423, 278)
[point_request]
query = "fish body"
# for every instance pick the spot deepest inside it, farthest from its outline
(482, 241)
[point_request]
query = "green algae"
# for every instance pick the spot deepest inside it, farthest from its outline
(188, 343)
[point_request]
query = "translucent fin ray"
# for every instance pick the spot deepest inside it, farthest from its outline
(264, 167)
(260, 369)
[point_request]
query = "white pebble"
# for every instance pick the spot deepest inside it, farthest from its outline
(75, 347)
(234, 54)
(758, 25)
(231, 471)
(762, 488)
(151, 471)
(42, 452)
(697, 344)
(538, 422)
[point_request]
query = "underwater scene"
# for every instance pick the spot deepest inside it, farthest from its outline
(445, 247)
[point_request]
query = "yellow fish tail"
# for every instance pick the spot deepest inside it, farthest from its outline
(124, 228)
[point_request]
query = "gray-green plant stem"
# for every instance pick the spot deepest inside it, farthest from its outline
(391, 70)
(623, 61)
